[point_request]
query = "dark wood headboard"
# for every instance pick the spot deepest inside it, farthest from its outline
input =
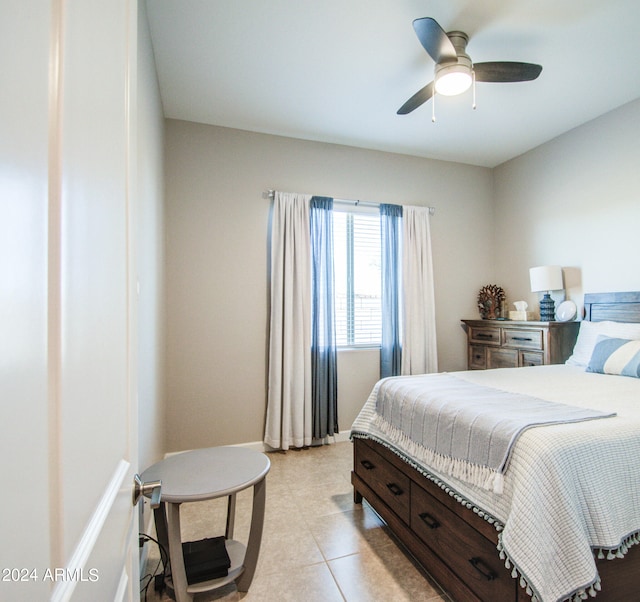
(618, 307)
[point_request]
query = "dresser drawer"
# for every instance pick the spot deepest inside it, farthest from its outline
(477, 359)
(486, 336)
(469, 554)
(502, 358)
(531, 358)
(522, 339)
(386, 481)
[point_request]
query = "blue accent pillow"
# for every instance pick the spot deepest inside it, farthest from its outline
(615, 356)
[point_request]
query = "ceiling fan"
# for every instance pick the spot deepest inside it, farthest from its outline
(454, 71)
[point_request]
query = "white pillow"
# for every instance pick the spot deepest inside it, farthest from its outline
(589, 332)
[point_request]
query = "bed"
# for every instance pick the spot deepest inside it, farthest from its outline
(559, 519)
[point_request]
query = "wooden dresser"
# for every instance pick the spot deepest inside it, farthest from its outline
(509, 344)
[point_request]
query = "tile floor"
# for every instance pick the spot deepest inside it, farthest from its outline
(317, 545)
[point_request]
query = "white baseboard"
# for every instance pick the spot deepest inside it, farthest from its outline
(260, 446)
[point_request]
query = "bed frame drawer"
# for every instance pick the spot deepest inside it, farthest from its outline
(390, 485)
(460, 527)
(470, 555)
(446, 554)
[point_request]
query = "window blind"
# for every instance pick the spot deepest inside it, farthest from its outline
(357, 278)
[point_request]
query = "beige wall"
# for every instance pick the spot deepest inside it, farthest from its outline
(216, 264)
(575, 202)
(572, 201)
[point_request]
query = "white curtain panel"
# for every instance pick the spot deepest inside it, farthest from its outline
(419, 354)
(289, 393)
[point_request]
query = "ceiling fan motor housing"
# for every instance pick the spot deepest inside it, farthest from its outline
(459, 39)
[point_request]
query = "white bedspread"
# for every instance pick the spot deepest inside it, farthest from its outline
(464, 429)
(570, 489)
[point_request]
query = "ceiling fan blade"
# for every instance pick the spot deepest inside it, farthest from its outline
(419, 98)
(506, 71)
(434, 40)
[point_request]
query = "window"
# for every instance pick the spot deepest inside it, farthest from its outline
(357, 269)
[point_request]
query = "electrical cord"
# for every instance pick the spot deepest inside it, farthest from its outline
(151, 579)
(158, 579)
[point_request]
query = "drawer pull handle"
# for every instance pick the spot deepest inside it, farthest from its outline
(522, 338)
(393, 488)
(367, 465)
(483, 569)
(482, 335)
(428, 520)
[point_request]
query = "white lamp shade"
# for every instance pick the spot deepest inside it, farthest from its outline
(546, 278)
(453, 79)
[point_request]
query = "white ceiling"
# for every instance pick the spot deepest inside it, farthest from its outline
(338, 70)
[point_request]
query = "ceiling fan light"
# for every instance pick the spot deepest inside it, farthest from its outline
(453, 79)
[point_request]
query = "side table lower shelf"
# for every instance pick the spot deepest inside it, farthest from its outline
(236, 551)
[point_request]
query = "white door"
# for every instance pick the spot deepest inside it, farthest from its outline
(68, 427)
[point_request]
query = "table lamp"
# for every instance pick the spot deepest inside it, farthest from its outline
(546, 278)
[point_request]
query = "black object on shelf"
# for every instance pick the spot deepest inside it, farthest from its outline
(205, 559)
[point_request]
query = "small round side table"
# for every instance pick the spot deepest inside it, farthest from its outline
(205, 474)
